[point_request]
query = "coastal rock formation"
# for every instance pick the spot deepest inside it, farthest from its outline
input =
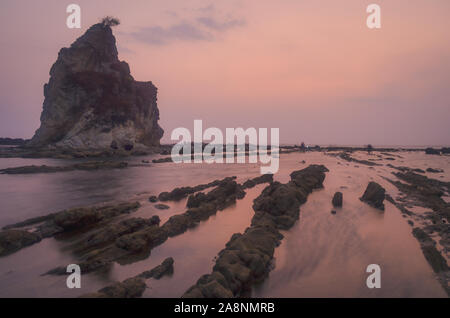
(134, 287)
(428, 193)
(182, 192)
(251, 183)
(130, 288)
(92, 102)
(374, 195)
(346, 156)
(12, 141)
(166, 268)
(247, 257)
(13, 240)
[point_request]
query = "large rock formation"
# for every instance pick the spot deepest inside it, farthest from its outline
(92, 101)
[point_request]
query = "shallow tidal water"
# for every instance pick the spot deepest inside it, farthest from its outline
(322, 255)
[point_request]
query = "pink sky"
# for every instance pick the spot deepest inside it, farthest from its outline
(311, 68)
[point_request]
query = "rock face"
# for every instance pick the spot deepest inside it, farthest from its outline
(374, 195)
(92, 101)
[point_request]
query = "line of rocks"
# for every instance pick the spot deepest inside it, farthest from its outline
(133, 239)
(405, 169)
(346, 156)
(247, 257)
(134, 287)
(182, 192)
(12, 238)
(427, 192)
(84, 166)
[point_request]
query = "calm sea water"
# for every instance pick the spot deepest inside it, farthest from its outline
(323, 255)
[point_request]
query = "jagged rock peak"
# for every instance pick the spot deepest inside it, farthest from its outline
(92, 101)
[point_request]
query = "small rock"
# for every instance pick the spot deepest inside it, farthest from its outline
(337, 199)
(434, 170)
(162, 206)
(153, 199)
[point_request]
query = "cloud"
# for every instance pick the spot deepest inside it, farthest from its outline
(206, 27)
(158, 35)
(218, 25)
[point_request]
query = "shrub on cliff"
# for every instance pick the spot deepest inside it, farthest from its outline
(110, 21)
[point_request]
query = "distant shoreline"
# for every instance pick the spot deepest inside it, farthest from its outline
(15, 148)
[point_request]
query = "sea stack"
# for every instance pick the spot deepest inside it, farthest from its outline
(93, 103)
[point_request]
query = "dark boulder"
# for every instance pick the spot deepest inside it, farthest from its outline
(337, 199)
(374, 195)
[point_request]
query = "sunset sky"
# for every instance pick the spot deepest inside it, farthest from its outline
(311, 68)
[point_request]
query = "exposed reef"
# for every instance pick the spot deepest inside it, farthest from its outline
(87, 166)
(426, 192)
(12, 238)
(247, 257)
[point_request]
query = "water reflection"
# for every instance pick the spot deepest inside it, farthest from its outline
(322, 255)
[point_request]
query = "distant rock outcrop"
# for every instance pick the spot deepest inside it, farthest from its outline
(92, 101)
(432, 151)
(12, 141)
